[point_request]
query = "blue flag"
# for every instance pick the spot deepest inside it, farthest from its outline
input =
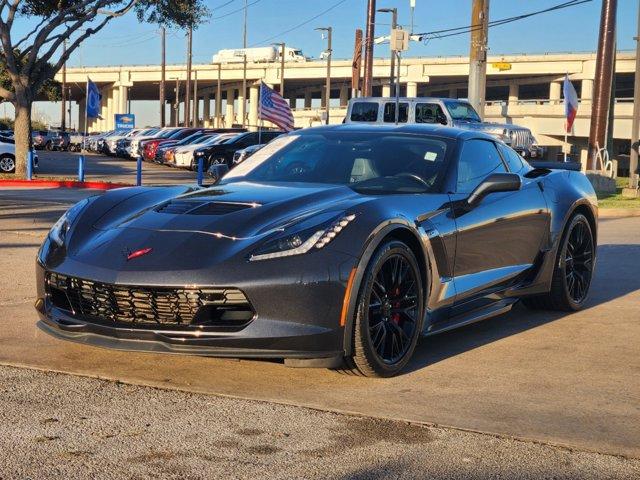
(93, 100)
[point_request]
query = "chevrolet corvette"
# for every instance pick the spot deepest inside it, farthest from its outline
(330, 246)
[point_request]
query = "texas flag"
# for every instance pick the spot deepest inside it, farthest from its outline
(570, 102)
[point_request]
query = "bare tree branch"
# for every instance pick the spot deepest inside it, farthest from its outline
(7, 95)
(28, 35)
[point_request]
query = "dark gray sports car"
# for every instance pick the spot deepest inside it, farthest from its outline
(329, 245)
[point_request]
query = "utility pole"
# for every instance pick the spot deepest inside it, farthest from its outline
(63, 116)
(394, 24)
(368, 49)
(177, 104)
(603, 81)
(327, 94)
(244, 65)
(635, 123)
(163, 67)
(282, 50)
(187, 93)
(356, 65)
(478, 54)
(218, 106)
(196, 102)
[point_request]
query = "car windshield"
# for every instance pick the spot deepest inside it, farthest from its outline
(380, 163)
(461, 111)
(193, 138)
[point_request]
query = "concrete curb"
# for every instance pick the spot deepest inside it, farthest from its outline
(62, 184)
(618, 212)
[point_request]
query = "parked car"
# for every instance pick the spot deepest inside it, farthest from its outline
(241, 155)
(138, 143)
(41, 139)
(76, 141)
(338, 246)
(60, 141)
(223, 152)
(111, 143)
(183, 157)
(444, 111)
(8, 155)
(125, 146)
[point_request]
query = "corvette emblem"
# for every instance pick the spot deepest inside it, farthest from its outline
(138, 253)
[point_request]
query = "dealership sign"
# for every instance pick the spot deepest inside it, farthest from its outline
(125, 121)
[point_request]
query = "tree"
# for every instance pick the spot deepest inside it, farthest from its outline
(30, 63)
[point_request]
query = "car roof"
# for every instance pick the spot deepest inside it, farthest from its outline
(411, 128)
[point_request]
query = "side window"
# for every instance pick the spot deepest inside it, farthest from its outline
(479, 158)
(514, 161)
(390, 112)
(364, 112)
(429, 113)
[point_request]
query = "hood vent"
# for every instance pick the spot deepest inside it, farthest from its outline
(187, 207)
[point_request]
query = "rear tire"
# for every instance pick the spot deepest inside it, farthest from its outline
(573, 270)
(389, 312)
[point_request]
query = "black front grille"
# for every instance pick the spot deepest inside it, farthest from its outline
(225, 309)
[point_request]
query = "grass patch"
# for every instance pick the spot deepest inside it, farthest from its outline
(610, 200)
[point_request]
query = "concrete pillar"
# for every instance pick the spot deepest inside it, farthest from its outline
(196, 112)
(229, 113)
(307, 98)
(102, 122)
(453, 92)
(254, 93)
(82, 110)
(111, 102)
(587, 90)
(206, 110)
(514, 92)
(293, 100)
(242, 114)
(554, 92)
(344, 95)
(412, 89)
(386, 90)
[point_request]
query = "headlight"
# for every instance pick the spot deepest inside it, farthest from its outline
(303, 239)
(59, 230)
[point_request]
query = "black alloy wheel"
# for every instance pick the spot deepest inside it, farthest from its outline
(389, 315)
(577, 261)
(573, 269)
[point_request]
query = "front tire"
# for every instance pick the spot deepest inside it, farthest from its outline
(389, 312)
(7, 164)
(573, 269)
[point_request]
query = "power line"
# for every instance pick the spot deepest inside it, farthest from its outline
(279, 35)
(235, 11)
(222, 6)
(469, 28)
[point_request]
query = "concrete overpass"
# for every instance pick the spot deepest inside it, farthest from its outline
(521, 89)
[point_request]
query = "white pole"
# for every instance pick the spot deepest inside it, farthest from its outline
(565, 144)
(86, 110)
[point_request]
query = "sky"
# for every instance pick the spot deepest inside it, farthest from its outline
(575, 29)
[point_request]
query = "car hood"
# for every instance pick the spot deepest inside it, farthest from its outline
(205, 225)
(488, 127)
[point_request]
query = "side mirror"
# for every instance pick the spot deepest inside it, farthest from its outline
(217, 171)
(496, 182)
(442, 119)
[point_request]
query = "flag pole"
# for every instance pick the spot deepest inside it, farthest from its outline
(260, 114)
(86, 110)
(566, 120)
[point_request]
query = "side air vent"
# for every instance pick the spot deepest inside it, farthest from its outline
(185, 207)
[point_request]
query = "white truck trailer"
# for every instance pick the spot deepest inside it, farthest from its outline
(258, 55)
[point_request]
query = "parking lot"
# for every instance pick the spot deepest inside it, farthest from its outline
(566, 386)
(112, 169)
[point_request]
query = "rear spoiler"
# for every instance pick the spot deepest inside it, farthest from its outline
(574, 166)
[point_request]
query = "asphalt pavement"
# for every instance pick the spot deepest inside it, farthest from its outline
(107, 168)
(561, 381)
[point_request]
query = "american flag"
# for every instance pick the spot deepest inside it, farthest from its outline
(275, 109)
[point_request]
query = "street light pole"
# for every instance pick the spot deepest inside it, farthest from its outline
(327, 95)
(394, 24)
(244, 65)
(63, 117)
(635, 123)
(187, 93)
(177, 104)
(163, 66)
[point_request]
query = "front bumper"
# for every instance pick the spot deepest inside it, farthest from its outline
(296, 317)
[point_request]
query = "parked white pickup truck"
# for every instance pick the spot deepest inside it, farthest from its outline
(445, 111)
